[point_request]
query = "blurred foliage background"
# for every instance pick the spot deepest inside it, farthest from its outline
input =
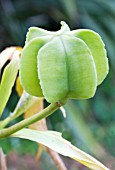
(90, 124)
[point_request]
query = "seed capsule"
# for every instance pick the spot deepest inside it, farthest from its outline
(63, 64)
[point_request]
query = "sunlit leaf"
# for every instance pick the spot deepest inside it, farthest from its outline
(8, 79)
(54, 141)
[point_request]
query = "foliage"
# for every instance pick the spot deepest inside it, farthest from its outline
(94, 117)
(54, 141)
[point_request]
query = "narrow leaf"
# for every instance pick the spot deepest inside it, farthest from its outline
(8, 79)
(54, 141)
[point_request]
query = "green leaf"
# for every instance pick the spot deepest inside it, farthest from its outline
(8, 80)
(54, 141)
(66, 69)
(97, 47)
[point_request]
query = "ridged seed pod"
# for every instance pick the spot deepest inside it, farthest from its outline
(63, 64)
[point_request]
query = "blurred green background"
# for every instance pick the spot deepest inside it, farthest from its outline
(90, 124)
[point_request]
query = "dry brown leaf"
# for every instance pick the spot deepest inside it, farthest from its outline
(2, 161)
(35, 108)
(40, 125)
(56, 158)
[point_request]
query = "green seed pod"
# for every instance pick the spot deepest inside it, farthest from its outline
(63, 64)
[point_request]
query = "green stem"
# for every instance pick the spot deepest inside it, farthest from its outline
(4, 122)
(25, 102)
(24, 123)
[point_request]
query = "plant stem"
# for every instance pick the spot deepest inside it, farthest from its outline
(25, 102)
(24, 123)
(4, 122)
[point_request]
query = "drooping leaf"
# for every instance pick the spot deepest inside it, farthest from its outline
(54, 141)
(97, 47)
(7, 82)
